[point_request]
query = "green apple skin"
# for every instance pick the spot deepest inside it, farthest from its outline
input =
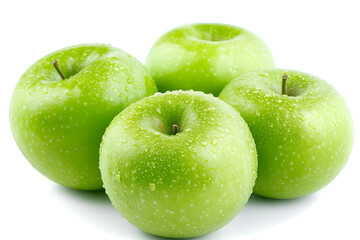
(183, 185)
(303, 139)
(205, 57)
(58, 124)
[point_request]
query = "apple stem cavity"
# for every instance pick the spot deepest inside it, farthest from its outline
(58, 69)
(175, 129)
(283, 88)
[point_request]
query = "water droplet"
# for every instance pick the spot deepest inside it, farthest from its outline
(204, 144)
(152, 186)
(203, 187)
(120, 95)
(130, 80)
(213, 142)
(158, 110)
(311, 125)
(126, 88)
(118, 176)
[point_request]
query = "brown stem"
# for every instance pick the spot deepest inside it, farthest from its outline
(283, 88)
(58, 69)
(175, 129)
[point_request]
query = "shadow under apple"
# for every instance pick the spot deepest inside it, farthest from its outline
(262, 213)
(95, 208)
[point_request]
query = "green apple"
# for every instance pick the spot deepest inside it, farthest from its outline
(205, 57)
(58, 123)
(302, 129)
(179, 164)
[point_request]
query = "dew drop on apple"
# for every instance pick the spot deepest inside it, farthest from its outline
(152, 187)
(158, 110)
(118, 176)
(313, 127)
(130, 80)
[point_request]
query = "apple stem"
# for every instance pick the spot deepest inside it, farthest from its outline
(283, 88)
(58, 69)
(175, 129)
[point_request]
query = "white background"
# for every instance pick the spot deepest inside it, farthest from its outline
(318, 37)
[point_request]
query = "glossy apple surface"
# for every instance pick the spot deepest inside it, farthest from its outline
(205, 57)
(178, 185)
(303, 138)
(58, 124)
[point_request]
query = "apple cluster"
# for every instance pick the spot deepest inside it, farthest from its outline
(181, 162)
